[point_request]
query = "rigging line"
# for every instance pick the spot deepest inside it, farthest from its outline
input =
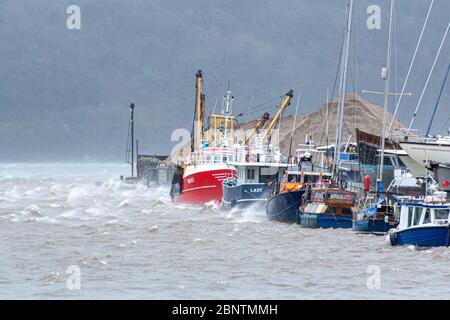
(207, 104)
(294, 123)
(438, 100)
(335, 81)
(395, 51)
(356, 49)
(249, 107)
(266, 108)
(265, 103)
(355, 90)
(215, 105)
(410, 66)
(446, 123)
(429, 76)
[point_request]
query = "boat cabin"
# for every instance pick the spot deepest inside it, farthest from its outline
(331, 201)
(258, 172)
(334, 196)
(417, 214)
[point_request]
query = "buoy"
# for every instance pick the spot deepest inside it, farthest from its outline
(367, 183)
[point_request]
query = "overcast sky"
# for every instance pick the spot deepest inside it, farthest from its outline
(64, 94)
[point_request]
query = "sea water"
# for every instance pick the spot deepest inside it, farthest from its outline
(75, 231)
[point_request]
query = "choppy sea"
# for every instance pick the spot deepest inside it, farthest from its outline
(74, 231)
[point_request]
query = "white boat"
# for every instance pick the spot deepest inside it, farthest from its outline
(428, 149)
(259, 166)
(423, 222)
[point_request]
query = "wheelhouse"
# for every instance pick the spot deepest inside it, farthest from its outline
(412, 215)
(331, 201)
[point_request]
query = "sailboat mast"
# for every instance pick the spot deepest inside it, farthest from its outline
(227, 111)
(385, 74)
(132, 138)
(343, 87)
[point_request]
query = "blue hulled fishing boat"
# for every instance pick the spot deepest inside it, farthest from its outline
(423, 223)
(251, 185)
(284, 206)
(258, 165)
(286, 200)
(328, 208)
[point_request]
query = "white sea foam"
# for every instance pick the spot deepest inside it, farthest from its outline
(32, 210)
(151, 246)
(124, 203)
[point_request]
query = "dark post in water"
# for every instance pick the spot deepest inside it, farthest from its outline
(132, 138)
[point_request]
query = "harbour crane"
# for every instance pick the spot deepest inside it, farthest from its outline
(286, 102)
(258, 126)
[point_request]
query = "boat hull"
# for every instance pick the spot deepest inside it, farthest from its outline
(284, 206)
(244, 195)
(374, 226)
(423, 152)
(203, 184)
(324, 221)
(427, 236)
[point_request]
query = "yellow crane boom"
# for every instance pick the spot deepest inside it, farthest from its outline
(286, 102)
(258, 126)
(198, 101)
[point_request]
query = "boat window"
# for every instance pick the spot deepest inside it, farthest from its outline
(310, 179)
(417, 215)
(335, 196)
(347, 211)
(251, 174)
(441, 214)
(427, 218)
(319, 195)
(410, 215)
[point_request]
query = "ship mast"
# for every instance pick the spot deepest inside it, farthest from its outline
(227, 111)
(385, 74)
(343, 89)
(198, 102)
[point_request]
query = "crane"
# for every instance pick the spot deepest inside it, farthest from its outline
(197, 126)
(286, 102)
(258, 126)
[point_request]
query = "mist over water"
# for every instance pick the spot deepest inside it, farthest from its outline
(132, 242)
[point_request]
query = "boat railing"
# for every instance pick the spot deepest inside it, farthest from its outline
(413, 135)
(213, 155)
(405, 134)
